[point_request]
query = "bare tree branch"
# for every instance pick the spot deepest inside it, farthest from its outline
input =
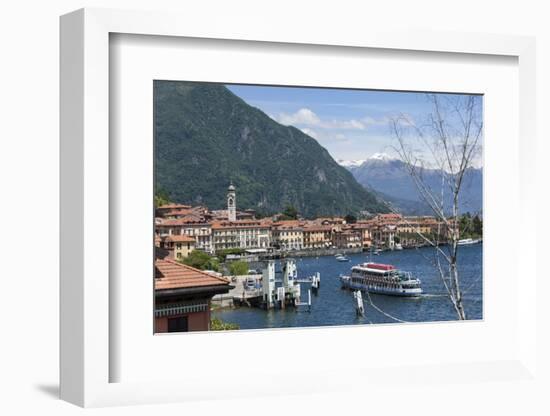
(451, 138)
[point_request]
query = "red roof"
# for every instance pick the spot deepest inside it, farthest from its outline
(216, 225)
(380, 266)
(170, 274)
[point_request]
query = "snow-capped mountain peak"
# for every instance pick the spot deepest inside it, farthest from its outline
(350, 163)
(381, 156)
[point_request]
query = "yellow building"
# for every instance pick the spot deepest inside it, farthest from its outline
(365, 229)
(317, 236)
(190, 226)
(288, 235)
(179, 246)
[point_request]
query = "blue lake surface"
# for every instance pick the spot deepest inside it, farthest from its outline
(334, 306)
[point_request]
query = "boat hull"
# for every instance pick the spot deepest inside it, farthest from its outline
(346, 284)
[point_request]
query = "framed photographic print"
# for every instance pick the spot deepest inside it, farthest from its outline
(257, 201)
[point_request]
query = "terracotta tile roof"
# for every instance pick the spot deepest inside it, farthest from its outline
(170, 274)
(390, 216)
(178, 239)
(288, 225)
(316, 228)
(179, 212)
(187, 220)
(217, 225)
(174, 206)
(330, 219)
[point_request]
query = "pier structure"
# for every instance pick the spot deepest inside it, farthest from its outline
(359, 306)
(268, 284)
(316, 282)
(266, 292)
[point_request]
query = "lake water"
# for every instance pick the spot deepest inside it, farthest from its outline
(334, 306)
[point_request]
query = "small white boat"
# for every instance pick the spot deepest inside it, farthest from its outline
(398, 246)
(342, 258)
(468, 241)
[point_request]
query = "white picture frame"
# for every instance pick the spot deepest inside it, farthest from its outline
(86, 332)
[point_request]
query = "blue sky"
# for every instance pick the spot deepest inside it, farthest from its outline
(350, 124)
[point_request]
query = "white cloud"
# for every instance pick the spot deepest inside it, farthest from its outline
(346, 125)
(302, 116)
(306, 117)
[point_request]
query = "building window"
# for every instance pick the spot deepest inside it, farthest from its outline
(178, 324)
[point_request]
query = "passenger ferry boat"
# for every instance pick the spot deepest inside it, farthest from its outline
(382, 279)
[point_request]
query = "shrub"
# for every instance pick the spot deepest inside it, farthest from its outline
(201, 260)
(217, 324)
(238, 268)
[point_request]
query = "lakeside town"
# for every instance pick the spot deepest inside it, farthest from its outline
(181, 229)
(203, 255)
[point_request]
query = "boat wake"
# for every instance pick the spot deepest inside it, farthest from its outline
(433, 295)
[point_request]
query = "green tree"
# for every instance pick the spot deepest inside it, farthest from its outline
(200, 260)
(238, 268)
(350, 219)
(464, 226)
(161, 198)
(290, 213)
(477, 225)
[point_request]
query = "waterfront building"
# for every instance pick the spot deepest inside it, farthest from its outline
(411, 229)
(316, 236)
(431, 225)
(383, 236)
(288, 235)
(347, 238)
(183, 295)
(387, 219)
(179, 246)
(162, 210)
(244, 234)
(364, 227)
(191, 226)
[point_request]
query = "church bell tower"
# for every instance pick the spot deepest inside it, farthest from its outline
(231, 203)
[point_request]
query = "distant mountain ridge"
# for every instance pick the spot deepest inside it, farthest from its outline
(389, 177)
(205, 137)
